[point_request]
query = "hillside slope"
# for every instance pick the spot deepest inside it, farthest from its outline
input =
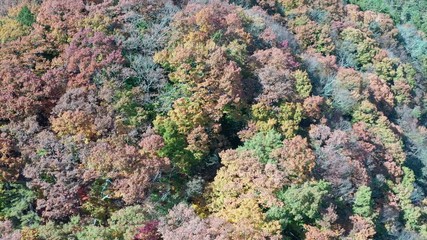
(250, 119)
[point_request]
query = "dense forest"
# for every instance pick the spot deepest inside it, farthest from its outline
(210, 119)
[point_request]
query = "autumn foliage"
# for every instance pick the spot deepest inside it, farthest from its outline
(263, 119)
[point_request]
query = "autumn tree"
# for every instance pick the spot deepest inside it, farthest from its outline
(183, 223)
(235, 194)
(209, 63)
(296, 159)
(24, 94)
(88, 53)
(61, 19)
(241, 119)
(343, 166)
(275, 71)
(130, 168)
(356, 49)
(53, 171)
(17, 23)
(11, 163)
(362, 228)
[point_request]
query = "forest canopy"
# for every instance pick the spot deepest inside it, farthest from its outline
(213, 119)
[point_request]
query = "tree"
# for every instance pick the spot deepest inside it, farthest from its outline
(131, 169)
(314, 107)
(320, 69)
(346, 89)
(125, 222)
(303, 84)
(18, 21)
(122, 224)
(7, 231)
(88, 53)
(23, 93)
(303, 25)
(205, 58)
(356, 49)
(16, 204)
(274, 69)
(74, 123)
(314, 233)
(61, 19)
(25, 16)
(401, 12)
(296, 159)
(148, 232)
(8, 4)
(241, 187)
(11, 29)
(380, 92)
(291, 115)
(198, 142)
(411, 214)
(362, 228)
(363, 202)
(326, 228)
(242, 119)
(175, 145)
(262, 144)
(301, 205)
(415, 45)
(341, 160)
(54, 172)
(182, 223)
(385, 130)
(11, 163)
